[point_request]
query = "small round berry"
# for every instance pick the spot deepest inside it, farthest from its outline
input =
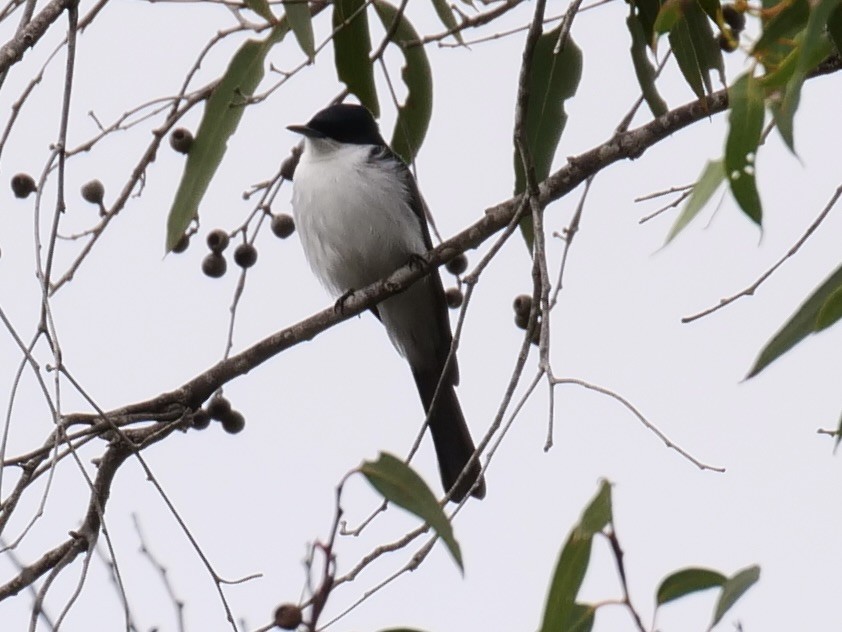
(214, 265)
(458, 264)
(201, 419)
(733, 18)
(233, 422)
(181, 140)
(728, 42)
(288, 616)
(454, 297)
(181, 244)
(245, 255)
(23, 185)
(217, 240)
(521, 320)
(523, 305)
(218, 407)
(93, 192)
(283, 225)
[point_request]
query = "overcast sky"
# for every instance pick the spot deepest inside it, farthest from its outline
(133, 324)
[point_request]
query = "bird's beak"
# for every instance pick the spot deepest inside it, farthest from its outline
(304, 130)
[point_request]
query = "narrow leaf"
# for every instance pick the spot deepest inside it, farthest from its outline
(261, 8)
(712, 176)
(643, 68)
(646, 11)
(445, 14)
(687, 581)
(351, 50)
(834, 28)
(745, 127)
(561, 608)
(668, 16)
(598, 513)
(580, 618)
(301, 23)
(399, 483)
(830, 312)
(695, 48)
(223, 112)
(813, 48)
(734, 588)
(554, 78)
(415, 113)
(801, 324)
(567, 580)
(783, 25)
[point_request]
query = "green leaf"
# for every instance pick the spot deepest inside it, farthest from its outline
(301, 23)
(398, 483)
(734, 588)
(351, 50)
(415, 113)
(745, 128)
(695, 48)
(445, 14)
(687, 581)
(643, 68)
(712, 8)
(814, 47)
(830, 312)
(580, 618)
(223, 112)
(834, 28)
(261, 8)
(554, 78)
(668, 16)
(597, 515)
(712, 176)
(783, 25)
(646, 11)
(561, 610)
(802, 323)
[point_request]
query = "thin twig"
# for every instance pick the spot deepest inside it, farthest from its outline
(751, 289)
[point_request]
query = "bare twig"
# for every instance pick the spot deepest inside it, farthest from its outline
(751, 289)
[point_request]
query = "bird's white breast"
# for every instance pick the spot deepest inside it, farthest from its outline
(352, 215)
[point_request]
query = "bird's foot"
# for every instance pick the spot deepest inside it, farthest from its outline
(339, 306)
(417, 262)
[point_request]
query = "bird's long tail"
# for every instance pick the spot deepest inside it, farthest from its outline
(451, 437)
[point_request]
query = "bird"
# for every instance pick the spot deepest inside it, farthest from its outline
(360, 216)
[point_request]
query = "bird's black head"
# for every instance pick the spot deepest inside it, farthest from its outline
(345, 123)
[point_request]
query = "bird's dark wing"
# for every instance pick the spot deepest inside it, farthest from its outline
(419, 209)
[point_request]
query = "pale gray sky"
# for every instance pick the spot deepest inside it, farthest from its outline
(133, 324)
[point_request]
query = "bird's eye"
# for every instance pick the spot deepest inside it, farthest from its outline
(377, 153)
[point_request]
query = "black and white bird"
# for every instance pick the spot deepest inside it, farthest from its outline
(360, 217)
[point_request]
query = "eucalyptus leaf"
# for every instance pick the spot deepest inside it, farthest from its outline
(745, 126)
(222, 115)
(734, 588)
(400, 484)
(554, 78)
(687, 581)
(712, 176)
(301, 23)
(801, 324)
(561, 611)
(352, 50)
(415, 113)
